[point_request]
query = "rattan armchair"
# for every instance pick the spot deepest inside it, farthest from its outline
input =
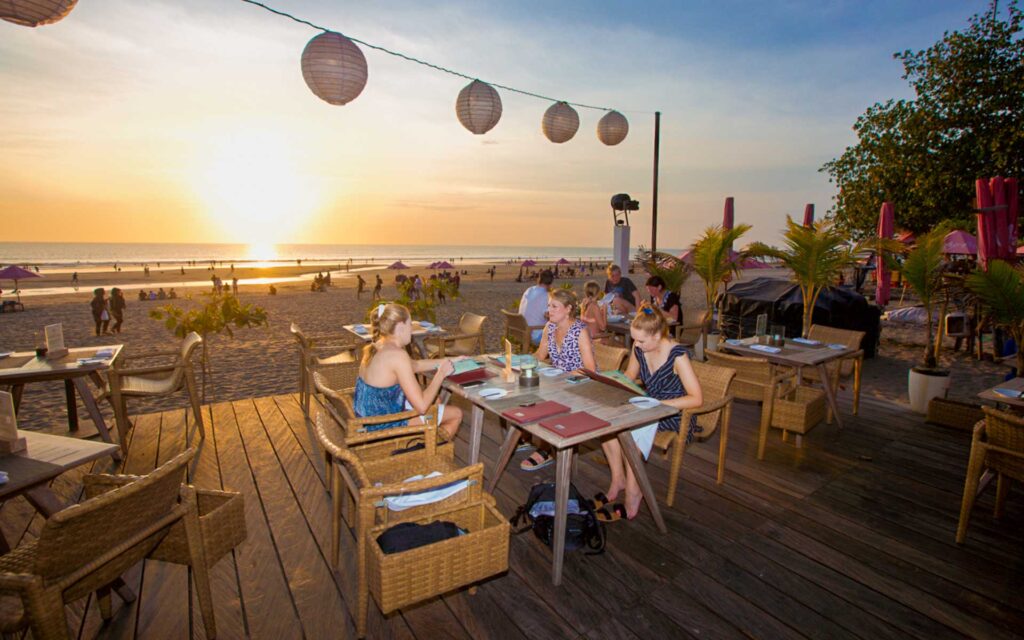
(468, 340)
(518, 332)
(691, 331)
(756, 380)
(343, 350)
(844, 368)
(610, 358)
(996, 447)
(87, 547)
(368, 479)
(125, 382)
(716, 409)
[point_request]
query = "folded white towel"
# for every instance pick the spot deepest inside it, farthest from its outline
(401, 503)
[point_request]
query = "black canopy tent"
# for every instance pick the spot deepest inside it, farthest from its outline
(839, 307)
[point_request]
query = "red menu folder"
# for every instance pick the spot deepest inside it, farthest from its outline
(523, 415)
(470, 376)
(573, 424)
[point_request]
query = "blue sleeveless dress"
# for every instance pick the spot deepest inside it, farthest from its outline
(664, 384)
(379, 401)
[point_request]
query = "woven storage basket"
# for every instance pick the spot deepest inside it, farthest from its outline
(221, 522)
(950, 413)
(397, 580)
(799, 410)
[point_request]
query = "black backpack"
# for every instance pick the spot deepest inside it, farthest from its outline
(582, 528)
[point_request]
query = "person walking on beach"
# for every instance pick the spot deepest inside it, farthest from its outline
(117, 306)
(100, 313)
(74, 280)
(377, 288)
(360, 285)
(234, 283)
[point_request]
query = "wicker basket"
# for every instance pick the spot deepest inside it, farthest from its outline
(799, 410)
(397, 580)
(950, 413)
(221, 522)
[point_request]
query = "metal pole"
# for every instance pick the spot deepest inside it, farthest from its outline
(654, 198)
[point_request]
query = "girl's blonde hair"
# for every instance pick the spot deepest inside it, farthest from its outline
(650, 320)
(591, 289)
(568, 298)
(383, 320)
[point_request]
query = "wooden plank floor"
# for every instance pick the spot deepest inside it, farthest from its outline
(850, 537)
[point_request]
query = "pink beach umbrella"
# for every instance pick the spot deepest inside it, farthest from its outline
(729, 214)
(809, 215)
(959, 243)
(1012, 212)
(1020, 250)
(528, 263)
(563, 261)
(397, 265)
(444, 264)
(886, 225)
(14, 272)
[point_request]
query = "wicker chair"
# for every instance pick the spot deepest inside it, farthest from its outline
(518, 332)
(690, 332)
(309, 360)
(717, 409)
(610, 358)
(467, 341)
(850, 365)
(86, 548)
(756, 380)
(998, 447)
(158, 380)
(370, 478)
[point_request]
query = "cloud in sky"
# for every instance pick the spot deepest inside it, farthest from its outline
(188, 120)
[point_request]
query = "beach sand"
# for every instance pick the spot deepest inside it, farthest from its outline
(263, 361)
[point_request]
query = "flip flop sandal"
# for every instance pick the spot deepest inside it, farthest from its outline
(525, 446)
(611, 513)
(531, 465)
(600, 500)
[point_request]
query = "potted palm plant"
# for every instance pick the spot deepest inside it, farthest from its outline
(815, 256)
(923, 271)
(715, 262)
(1001, 293)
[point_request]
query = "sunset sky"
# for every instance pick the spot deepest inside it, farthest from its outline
(189, 120)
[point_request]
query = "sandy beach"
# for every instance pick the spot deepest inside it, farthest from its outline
(263, 361)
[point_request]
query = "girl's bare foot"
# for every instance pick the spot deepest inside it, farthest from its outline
(633, 502)
(613, 491)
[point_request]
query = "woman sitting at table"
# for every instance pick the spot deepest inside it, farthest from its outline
(387, 376)
(593, 313)
(667, 301)
(663, 366)
(566, 344)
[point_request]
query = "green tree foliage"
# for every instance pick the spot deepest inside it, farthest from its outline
(966, 121)
(1001, 292)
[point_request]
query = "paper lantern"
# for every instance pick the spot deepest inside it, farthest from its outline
(334, 68)
(560, 122)
(478, 107)
(33, 13)
(612, 128)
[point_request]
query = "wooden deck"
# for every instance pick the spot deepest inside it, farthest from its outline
(850, 537)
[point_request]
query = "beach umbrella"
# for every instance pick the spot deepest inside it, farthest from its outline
(397, 265)
(444, 264)
(34, 13)
(1012, 212)
(432, 265)
(986, 223)
(729, 214)
(563, 261)
(14, 272)
(808, 215)
(959, 243)
(886, 225)
(528, 263)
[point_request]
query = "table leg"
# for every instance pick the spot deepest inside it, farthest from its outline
(95, 414)
(636, 462)
(16, 391)
(69, 393)
(476, 428)
(508, 448)
(563, 476)
(830, 394)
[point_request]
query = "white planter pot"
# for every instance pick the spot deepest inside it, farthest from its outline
(712, 343)
(922, 387)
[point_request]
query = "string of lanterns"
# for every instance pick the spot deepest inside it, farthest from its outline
(335, 70)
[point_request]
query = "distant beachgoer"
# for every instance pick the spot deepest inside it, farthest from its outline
(234, 283)
(273, 290)
(161, 295)
(142, 295)
(182, 270)
(457, 280)
(360, 286)
(213, 282)
(172, 294)
(493, 269)
(74, 280)
(100, 313)
(377, 288)
(152, 294)
(627, 298)
(232, 267)
(117, 306)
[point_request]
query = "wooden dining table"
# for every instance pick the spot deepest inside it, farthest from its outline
(599, 399)
(1014, 384)
(44, 458)
(22, 368)
(420, 333)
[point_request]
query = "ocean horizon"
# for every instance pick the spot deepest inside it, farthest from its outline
(85, 254)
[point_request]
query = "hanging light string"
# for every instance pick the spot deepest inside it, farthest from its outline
(436, 67)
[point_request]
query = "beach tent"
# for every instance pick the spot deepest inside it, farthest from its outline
(433, 265)
(781, 300)
(959, 243)
(14, 272)
(397, 265)
(886, 226)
